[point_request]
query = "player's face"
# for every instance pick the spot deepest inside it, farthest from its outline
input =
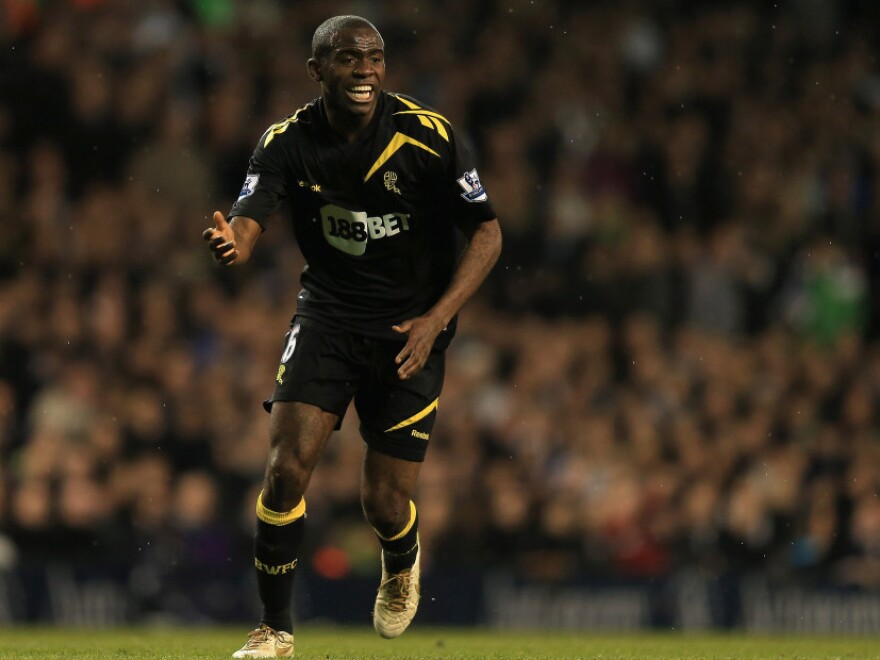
(353, 73)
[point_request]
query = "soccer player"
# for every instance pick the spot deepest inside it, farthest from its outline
(398, 233)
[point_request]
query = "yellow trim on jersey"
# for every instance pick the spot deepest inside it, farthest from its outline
(429, 119)
(440, 128)
(412, 106)
(279, 518)
(280, 127)
(419, 415)
(423, 120)
(401, 533)
(423, 113)
(396, 143)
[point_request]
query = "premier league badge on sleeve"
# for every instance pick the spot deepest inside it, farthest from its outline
(473, 189)
(250, 183)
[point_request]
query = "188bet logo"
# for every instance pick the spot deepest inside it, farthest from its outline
(349, 231)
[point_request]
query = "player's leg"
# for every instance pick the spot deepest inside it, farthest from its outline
(387, 488)
(298, 434)
(396, 422)
(314, 385)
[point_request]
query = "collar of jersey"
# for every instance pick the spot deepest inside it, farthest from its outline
(366, 134)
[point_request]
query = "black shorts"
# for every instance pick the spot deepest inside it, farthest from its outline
(326, 367)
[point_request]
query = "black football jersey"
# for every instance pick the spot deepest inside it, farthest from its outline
(376, 219)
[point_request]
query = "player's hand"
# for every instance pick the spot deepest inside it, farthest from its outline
(421, 333)
(221, 240)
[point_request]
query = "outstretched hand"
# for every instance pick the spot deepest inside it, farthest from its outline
(421, 333)
(221, 240)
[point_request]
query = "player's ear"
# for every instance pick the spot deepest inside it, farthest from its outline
(314, 67)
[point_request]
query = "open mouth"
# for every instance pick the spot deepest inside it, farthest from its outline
(360, 93)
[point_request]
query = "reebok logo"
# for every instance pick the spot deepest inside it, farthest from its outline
(281, 569)
(419, 434)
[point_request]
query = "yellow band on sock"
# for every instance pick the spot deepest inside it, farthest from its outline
(276, 518)
(402, 533)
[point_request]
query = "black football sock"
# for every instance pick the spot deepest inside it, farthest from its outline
(276, 546)
(400, 550)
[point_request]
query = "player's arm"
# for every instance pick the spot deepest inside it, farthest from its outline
(232, 242)
(476, 262)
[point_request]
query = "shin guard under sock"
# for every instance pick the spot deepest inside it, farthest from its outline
(276, 546)
(400, 550)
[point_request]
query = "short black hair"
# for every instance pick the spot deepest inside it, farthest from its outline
(322, 40)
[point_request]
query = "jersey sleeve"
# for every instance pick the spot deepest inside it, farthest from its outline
(466, 199)
(263, 189)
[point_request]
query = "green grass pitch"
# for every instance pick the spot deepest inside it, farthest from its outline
(323, 643)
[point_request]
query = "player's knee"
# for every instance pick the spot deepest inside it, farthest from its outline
(387, 512)
(286, 478)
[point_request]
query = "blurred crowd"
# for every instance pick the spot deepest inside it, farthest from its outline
(675, 364)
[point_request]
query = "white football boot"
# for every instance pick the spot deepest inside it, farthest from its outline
(265, 642)
(397, 600)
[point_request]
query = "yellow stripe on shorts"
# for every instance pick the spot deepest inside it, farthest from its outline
(419, 415)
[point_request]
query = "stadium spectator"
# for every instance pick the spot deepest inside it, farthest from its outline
(676, 363)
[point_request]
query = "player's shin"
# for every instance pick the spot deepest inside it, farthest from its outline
(276, 547)
(400, 549)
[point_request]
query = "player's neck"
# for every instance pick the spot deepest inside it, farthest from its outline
(347, 125)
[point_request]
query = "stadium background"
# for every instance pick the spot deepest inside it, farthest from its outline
(660, 410)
